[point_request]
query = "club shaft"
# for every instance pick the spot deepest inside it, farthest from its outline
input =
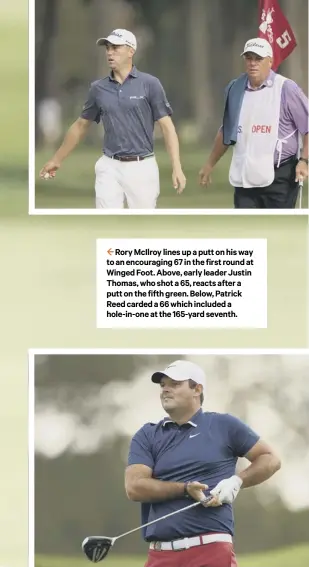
(301, 185)
(208, 498)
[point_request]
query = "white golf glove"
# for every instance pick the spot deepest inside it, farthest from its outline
(227, 489)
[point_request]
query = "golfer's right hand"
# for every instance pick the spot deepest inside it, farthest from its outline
(195, 490)
(49, 168)
(204, 175)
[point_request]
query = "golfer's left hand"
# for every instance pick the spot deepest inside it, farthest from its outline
(179, 180)
(301, 171)
(226, 491)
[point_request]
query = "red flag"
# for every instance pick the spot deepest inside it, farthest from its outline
(274, 27)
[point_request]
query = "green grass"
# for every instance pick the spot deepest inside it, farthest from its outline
(73, 186)
(297, 556)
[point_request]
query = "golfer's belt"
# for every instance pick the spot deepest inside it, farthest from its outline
(187, 542)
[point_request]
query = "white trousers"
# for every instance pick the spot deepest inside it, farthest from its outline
(137, 182)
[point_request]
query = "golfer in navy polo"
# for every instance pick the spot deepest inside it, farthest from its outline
(187, 456)
(128, 102)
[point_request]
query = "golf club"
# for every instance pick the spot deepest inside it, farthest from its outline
(300, 184)
(96, 548)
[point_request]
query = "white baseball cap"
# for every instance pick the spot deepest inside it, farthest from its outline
(119, 37)
(260, 46)
(181, 370)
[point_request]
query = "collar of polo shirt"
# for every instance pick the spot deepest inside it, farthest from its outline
(269, 81)
(190, 422)
(133, 73)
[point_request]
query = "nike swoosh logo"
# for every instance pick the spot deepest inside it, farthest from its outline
(190, 436)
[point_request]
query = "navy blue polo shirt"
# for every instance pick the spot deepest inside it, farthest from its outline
(128, 112)
(205, 449)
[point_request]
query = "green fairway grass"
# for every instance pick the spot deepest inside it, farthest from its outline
(297, 556)
(73, 187)
(289, 557)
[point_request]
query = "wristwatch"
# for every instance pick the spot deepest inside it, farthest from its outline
(303, 159)
(186, 493)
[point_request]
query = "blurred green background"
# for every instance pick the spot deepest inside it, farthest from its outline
(13, 108)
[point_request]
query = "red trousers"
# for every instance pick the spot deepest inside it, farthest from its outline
(217, 554)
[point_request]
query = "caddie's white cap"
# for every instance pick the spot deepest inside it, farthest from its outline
(181, 370)
(260, 46)
(119, 37)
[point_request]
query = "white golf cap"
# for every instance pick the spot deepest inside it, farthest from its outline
(181, 370)
(260, 46)
(119, 37)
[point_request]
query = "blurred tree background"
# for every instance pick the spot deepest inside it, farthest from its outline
(88, 407)
(193, 46)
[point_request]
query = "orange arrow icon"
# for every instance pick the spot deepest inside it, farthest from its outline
(109, 251)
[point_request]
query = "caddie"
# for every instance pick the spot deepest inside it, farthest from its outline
(266, 122)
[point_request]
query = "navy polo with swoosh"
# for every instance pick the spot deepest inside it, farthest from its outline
(204, 449)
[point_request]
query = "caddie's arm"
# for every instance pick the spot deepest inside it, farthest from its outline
(218, 150)
(304, 152)
(264, 463)
(302, 169)
(298, 111)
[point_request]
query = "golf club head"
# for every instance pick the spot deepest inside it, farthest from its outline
(97, 547)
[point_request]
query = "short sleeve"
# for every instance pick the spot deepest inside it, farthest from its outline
(158, 100)
(241, 437)
(91, 111)
(140, 450)
(297, 106)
